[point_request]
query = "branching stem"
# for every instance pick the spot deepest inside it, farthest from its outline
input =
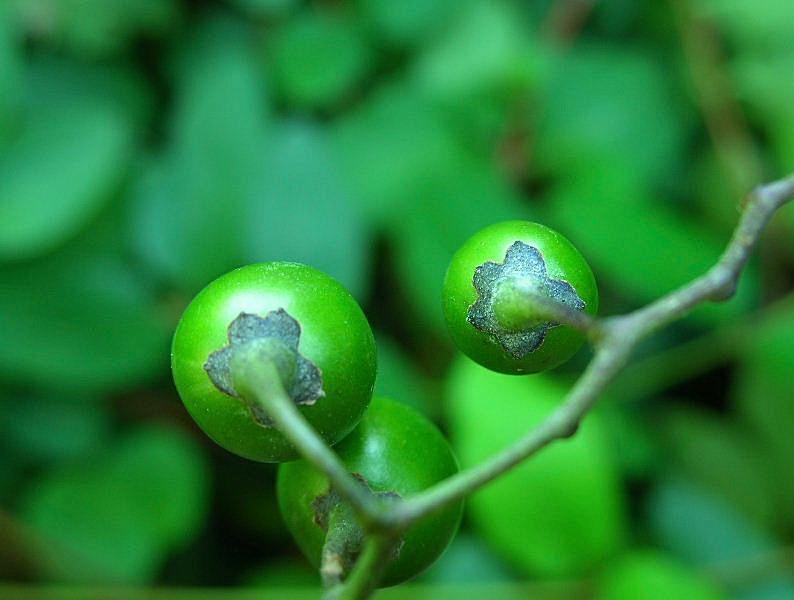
(614, 339)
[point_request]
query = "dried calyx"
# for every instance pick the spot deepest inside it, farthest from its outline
(272, 338)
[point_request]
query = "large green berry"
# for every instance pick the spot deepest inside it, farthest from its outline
(306, 310)
(394, 451)
(491, 281)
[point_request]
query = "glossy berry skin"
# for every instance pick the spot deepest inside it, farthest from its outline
(395, 449)
(334, 335)
(563, 264)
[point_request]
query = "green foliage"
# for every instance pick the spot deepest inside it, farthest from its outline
(611, 104)
(115, 519)
(318, 58)
(52, 429)
(560, 514)
(653, 575)
(400, 379)
(52, 310)
(49, 196)
(703, 530)
(148, 146)
(725, 458)
(650, 249)
(763, 399)
(95, 28)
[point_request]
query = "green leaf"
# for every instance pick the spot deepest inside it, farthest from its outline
(189, 206)
(57, 175)
(610, 103)
(645, 248)
(318, 58)
(96, 28)
(723, 458)
(763, 81)
(558, 514)
(39, 429)
(302, 210)
(165, 475)
(400, 379)
(116, 519)
(750, 25)
(455, 204)
(388, 145)
(54, 84)
(649, 575)
(410, 22)
(704, 531)
(467, 560)
(10, 73)
(266, 8)
(762, 395)
(485, 50)
(79, 320)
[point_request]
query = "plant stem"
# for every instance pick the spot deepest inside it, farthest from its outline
(343, 542)
(368, 570)
(518, 304)
(257, 379)
(619, 337)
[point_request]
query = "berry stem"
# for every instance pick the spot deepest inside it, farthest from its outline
(343, 542)
(368, 570)
(520, 303)
(257, 379)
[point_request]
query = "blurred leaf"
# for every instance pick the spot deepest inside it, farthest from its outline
(702, 530)
(51, 429)
(610, 103)
(54, 84)
(485, 50)
(79, 320)
(303, 211)
(93, 28)
(266, 8)
(445, 209)
(636, 448)
(723, 458)
(116, 520)
(409, 22)
(10, 73)
(644, 248)
(652, 575)
(467, 560)
(318, 58)
(560, 513)
(165, 475)
(57, 175)
(762, 394)
(284, 574)
(399, 378)
(747, 23)
(764, 82)
(190, 205)
(388, 145)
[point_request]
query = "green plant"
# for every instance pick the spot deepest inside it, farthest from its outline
(394, 452)
(306, 320)
(263, 375)
(496, 321)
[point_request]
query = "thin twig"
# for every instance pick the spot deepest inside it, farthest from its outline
(369, 568)
(620, 336)
(615, 340)
(260, 380)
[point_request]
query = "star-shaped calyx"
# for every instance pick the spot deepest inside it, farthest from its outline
(522, 263)
(305, 386)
